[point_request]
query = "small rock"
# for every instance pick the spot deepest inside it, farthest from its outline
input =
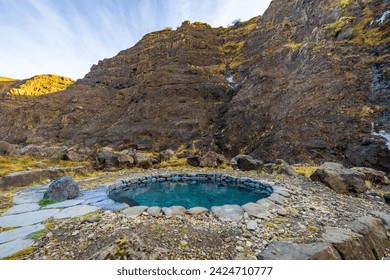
(76, 232)
(252, 225)
(183, 244)
(281, 211)
(386, 197)
(240, 249)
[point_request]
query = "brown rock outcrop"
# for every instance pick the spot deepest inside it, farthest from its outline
(308, 81)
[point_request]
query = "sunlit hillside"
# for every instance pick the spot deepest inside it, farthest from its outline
(41, 84)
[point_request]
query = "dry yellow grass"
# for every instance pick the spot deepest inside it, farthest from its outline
(10, 164)
(305, 170)
(42, 84)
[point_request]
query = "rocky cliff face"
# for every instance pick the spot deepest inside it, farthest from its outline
(308, 81)
(317, 82)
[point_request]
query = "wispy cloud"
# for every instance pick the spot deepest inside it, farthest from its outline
(67, 36)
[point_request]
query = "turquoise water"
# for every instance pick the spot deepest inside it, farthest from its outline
(187, 194)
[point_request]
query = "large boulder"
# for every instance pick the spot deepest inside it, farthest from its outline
(143, 160)
(287, 250)
(165, 155)
(212, 159)
(78, 154)
(373, 175)
(106, 161)
(7, 148)
(339, 179)
(42, 151)
(374, 234)
(62, 189)
(284, 168)
(24, 178)
(125, 160)
(246, 163)
(350, 245)
(194, 161)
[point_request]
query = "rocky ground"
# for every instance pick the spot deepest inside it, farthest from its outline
(113, 235)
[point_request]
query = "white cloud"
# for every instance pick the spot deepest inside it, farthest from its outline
(67, 37)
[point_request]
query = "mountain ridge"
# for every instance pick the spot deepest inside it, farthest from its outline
(304, 82)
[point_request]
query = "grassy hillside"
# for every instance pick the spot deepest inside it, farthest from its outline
(41, 84)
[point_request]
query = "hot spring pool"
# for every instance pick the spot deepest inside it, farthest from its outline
(186, 191)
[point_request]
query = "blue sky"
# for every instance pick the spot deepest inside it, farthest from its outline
(66, 37)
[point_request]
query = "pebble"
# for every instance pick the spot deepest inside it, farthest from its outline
(252, 225)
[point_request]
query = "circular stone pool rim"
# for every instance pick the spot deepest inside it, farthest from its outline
(129, 183)
(231, 212)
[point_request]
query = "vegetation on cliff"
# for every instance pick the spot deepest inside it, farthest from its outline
(40, 85)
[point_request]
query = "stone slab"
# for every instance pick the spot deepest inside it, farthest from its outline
(30, 197)
(109, 204)
(26, 219)
(154, 211)
(19, 233)
(232, 213)
(173, 211)
(10, 248)
(22, 208)
(277, 199)
(133, 212)
(94, 195)
(75, 211)
(64, 204)
(256, 210)
(197, 210)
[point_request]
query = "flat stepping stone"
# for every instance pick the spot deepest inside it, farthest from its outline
(197, 210)
(10, 248)
(75, 211)
(22, 208)
(94, 195)
(29, 197)
(19, 233)
(64, 204)
(277, 198)
(173, 211)
(256, 210)
(109, 204)
(231, 213)
(135, 211)
(26, 219)
(154, 211)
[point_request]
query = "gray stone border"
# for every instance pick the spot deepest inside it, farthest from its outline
(261, 209)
